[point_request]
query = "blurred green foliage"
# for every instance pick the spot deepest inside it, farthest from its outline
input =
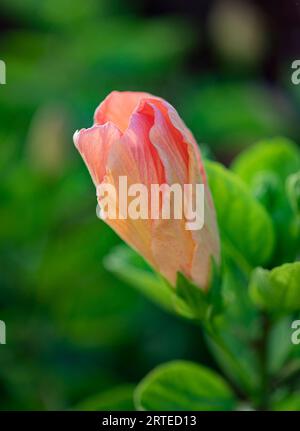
(76, 335)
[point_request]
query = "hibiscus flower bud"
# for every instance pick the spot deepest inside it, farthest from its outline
(143, 156)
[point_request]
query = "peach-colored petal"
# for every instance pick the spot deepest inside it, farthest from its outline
(118, 107)
(206, 240)
(137, 140)
(172, 248)
(193, 249)
(143, 138)
(94, 145)
(137, 233)
(107, 159)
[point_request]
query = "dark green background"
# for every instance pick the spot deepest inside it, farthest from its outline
(76, 335)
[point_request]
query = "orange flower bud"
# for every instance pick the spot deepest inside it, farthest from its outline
(141, 137)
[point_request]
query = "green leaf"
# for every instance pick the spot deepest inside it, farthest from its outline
(195, 298)
(203, 304)
(278, 155)
(245, 227)
(293, 191)
(267, 168)
(119, 398)
(277, 290)
(183, 385)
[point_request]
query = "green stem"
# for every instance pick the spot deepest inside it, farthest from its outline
(217, 339)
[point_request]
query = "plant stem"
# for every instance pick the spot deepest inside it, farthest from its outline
(217, 339)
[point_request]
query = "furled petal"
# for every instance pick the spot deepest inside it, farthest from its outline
(94, 145)
(117, 107)
(141, 137)
(206, 240)
(191, 250)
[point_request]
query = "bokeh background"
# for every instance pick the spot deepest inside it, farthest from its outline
(77, 337)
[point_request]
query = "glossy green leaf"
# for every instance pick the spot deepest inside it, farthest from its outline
(277, 290)
(278, 155)
(245, 227)
(182, 385)
(293, 191)
(265, 167)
